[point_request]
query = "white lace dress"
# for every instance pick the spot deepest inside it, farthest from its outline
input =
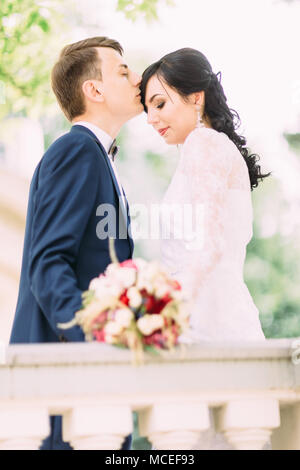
(213, 176)
(211, 180)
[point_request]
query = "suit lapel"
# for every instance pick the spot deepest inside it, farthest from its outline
(112, 173)
(124, 211)
(128, 224)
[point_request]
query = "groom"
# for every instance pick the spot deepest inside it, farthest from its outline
(64, 247)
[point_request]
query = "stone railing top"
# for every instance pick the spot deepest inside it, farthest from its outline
(80, 370)
(40, 354)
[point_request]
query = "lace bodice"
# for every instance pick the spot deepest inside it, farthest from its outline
(212, 183)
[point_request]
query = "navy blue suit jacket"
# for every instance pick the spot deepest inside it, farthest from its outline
(62, 251)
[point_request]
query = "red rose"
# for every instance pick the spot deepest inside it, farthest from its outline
(150, 304)
(123, 298)
(153, 305)
(166, 298)
(159, 305)
(156, 339)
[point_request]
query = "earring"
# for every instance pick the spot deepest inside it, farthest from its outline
(200, 122)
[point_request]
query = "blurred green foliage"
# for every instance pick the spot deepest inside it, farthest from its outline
(294, 141)
(32, 32)
(272, 268)
(272, 275)
(28, 34)
(145, 8)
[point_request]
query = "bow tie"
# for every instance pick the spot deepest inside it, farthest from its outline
(113, 150)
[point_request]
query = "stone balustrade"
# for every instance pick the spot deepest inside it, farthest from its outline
(251, 389)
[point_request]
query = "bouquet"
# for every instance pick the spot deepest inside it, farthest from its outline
(134, 304)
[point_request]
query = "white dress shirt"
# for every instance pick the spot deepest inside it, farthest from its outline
(106, 141)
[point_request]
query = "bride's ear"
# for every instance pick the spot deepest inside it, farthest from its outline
(199, 98)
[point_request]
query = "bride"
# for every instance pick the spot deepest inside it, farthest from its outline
(186, 104)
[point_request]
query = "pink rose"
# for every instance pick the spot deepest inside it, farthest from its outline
(99, 335)
(128, 264)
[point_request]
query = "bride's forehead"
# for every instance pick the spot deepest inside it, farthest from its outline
(156, 86)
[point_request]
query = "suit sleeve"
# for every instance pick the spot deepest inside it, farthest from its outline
(64, 202)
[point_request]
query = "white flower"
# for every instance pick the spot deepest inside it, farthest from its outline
(135, 298)
(149, 275)
(142, 283)
(149, 323)
(123, 317)
(109, 339)
(95, 283)
(104, 286)
(161, 290)
(125, 276)
(118, 276)
(113, 328)
(111, 269)
(140, 263)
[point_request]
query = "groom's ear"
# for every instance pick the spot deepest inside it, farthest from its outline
(93, 91)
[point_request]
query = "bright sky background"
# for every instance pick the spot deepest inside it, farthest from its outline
(255, 43)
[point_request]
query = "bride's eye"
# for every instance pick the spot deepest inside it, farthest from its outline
(161, 105)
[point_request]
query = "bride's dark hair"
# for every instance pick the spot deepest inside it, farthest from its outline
(188, 71)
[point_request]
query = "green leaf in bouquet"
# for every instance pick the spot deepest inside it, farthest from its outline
(151, 350)
(121, 346)
(142, 310)
(87, 297)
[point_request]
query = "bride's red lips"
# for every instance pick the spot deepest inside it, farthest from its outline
(163, 131)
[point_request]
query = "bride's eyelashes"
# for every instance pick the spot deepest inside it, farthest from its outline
(161, 105)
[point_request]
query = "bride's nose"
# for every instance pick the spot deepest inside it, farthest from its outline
(152, 117)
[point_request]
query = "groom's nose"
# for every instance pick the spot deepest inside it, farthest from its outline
(136, 80)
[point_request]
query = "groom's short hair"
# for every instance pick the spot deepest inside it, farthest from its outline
(78, 62)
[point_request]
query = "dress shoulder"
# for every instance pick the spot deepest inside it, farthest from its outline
(207, 149)
(204, 135)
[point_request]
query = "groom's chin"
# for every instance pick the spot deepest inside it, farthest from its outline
(138, 111)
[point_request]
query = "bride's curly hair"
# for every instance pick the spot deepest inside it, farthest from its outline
(188, 71)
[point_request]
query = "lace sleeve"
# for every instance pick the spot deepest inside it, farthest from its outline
(206, 164)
